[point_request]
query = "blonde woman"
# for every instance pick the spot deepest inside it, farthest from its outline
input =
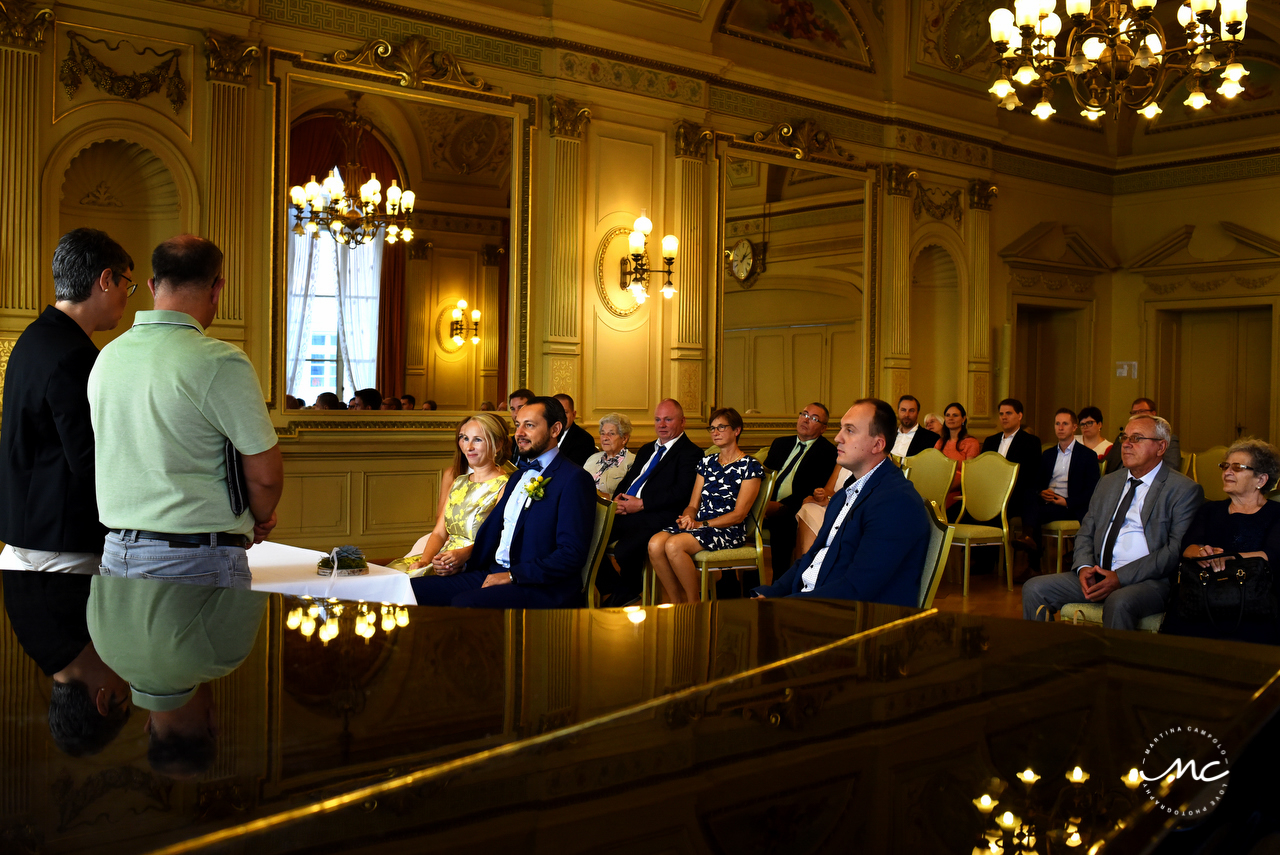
(481, 455)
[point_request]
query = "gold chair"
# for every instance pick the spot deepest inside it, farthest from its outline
(1059, 530)
(986, 482)
(935, 558)
(1090, 614)
(1188, 466)
(744, 557)
(895, 459)
(931, 473)
(600, 532)
(1211, 476)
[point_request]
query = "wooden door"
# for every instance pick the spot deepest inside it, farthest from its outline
(1047, 372)
(1224, 377)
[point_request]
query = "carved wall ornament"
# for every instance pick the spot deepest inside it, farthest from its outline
(982, 194)
(23, 25)
(101, 197)
(1208, 284)
(805, 139)
(1164, 286)
(899, 179)
(466, 143)
(1252, 282)
(80, 63)
(492, 255)
(691, 140)
(1036, 280)
(566, 117)
(76, 802)
(415, 62)
(231, 59)
(938, 203)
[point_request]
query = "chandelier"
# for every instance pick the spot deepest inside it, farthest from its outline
(1117, 55)
(345, 208)
(328, 618)
(635, 271)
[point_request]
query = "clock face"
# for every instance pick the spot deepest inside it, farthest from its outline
(742, 259)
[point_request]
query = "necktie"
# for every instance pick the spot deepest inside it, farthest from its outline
(535, 464)
(1116, 522)
(786, 469)
(648, 470)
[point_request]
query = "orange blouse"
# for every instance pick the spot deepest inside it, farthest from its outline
(967, 449)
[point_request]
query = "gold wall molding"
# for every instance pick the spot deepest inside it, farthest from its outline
(22, 25)
(691, 140)
(899, 179)
(231, 59)
(806, 140)
(6, 350)
(80, 63)
(897, 248)
(414, 62)
(982, 195)
(566, 117)
(20, 161)
(938, 203)
(230, 172)
(602, 277)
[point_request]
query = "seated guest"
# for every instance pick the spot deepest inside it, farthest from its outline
(482, 440)
(726, 485)
(88, 702)
(1145, 407)
(329, 401)
(390, 402)
(1017, 446)
(1068, 475)
(518, 399)
(530, 551)
(1130, 541)
(1245, 522)
(610, 465)
(408, 402)
(355, 404)
(804, 463)
(487, 407)
(912, 438)
(575, 443)
(814, 508)
(367, 399)
(875, 534)
(932, 423)
(460, 465)
(1091, 432)
(649, 498)
(956, 443)
(428, 404)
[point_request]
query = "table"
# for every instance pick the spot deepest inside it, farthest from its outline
(283, 569)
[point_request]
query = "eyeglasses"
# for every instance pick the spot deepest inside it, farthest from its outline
(718, 428)
(1134, 438)
(817, 420)
(133, 286)
(1235, 467)
(1088, 423)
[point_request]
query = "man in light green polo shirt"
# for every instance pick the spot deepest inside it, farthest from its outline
(165, 399)
(168, 642)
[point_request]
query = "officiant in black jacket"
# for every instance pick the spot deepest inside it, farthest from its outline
(804, 462)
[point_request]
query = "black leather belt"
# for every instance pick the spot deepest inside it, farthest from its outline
(187, 541)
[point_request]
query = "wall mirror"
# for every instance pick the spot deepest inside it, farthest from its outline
(795, 292)
(435, 316)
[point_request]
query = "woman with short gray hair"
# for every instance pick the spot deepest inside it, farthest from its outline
(609, 466)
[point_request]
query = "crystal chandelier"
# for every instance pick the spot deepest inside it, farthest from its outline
(345, 208)
(1116, 55)
(635, 271)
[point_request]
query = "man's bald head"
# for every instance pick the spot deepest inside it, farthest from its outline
(186, 261)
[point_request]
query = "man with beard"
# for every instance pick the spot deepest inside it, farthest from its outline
(530, 550)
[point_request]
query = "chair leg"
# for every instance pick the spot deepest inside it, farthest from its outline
(1058, 552)
(704, 573)
(965, 591)
(1008, 560)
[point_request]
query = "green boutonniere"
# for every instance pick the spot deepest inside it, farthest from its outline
(537, 488)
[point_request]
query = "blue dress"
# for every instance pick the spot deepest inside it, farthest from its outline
(720, 488)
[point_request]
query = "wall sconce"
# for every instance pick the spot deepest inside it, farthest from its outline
(461, 330)
(635, 270)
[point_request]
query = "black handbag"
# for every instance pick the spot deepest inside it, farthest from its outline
(1242, 592)
(237, 489)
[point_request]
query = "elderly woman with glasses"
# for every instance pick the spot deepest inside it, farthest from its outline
(727, 484)
(1245, 523)
(610, 465)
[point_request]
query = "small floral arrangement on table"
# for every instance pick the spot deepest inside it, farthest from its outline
(343, 561)
(536, 489)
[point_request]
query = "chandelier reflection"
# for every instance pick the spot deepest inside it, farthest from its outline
(635, 268)
(327, 619)
(1117, 55)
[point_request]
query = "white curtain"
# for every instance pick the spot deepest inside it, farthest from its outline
(302, 252)
(359, 284)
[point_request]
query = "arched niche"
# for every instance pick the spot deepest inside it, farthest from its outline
(936, 322)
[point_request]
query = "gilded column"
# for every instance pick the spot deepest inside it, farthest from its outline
(688, 351)
(568, 124)
(899, 181)
(492, 257)
(231, 63)
(981, 196)
(22, 30)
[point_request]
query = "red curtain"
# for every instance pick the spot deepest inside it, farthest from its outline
(315, 147)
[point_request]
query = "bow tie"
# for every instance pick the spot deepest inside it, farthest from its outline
(535, 464)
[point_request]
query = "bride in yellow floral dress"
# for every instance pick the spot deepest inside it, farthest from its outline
(483, 443)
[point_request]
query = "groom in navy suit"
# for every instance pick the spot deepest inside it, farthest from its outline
(873, 539)
(530, 550)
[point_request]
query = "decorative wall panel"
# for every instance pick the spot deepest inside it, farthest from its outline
(400, 503)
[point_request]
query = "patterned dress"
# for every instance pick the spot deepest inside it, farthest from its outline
(469, 504)
(720, 488)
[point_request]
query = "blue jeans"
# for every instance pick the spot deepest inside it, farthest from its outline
(130, 557)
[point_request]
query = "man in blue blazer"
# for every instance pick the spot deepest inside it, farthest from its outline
(530, 550)
(872, 543)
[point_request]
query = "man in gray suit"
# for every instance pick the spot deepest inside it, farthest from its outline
(1130, 540)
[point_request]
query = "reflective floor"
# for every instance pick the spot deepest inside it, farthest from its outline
(732, 727)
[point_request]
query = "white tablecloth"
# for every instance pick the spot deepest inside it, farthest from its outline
(283, 569)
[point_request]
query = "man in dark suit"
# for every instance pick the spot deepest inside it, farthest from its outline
(804, 463)
(1068, 475)
(911, 439)
(530, 550)
(873, 540)
(1130, 541)
(1145, 407)
(657, 488)
(1017, 446)
(575, 443)
(48, 504)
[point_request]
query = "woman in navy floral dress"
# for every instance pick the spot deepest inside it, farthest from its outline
(726, 486)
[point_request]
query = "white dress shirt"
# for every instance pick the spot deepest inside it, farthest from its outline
(649, 464)
(1131, 543)
(1061, 466)
(784, 486)
(810, 575)
(1005, 442)
(903, 442)
(517, 499)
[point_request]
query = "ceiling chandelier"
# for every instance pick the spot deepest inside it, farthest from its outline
(1117, 55)
(331, 206)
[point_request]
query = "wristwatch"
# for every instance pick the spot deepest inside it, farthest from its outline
(511, 576)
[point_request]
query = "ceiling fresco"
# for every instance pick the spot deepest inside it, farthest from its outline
(824, 29)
